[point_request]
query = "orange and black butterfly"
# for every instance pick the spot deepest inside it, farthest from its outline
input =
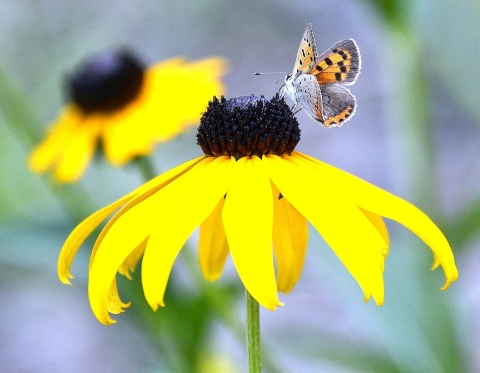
(317, 84)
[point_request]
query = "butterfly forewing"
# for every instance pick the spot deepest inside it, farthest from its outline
(338, 64)
(338, 105)
(307, 52)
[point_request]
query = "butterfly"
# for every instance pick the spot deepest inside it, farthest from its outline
(317, 84)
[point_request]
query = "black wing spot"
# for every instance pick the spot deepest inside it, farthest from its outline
(328, 61)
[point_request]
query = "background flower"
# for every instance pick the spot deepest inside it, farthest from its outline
(126, 109)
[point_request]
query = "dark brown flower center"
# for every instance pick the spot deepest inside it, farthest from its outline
(248, 125)
(106, 82)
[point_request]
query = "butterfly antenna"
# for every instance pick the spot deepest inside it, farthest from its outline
(269, 73)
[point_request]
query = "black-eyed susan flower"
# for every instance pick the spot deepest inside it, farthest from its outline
(115, 100)
(251, 194)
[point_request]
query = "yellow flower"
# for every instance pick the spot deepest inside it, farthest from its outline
(250, 190)
(113, 98)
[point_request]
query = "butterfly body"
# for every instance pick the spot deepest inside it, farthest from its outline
(317, 83)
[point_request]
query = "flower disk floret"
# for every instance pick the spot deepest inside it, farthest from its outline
(246, 126)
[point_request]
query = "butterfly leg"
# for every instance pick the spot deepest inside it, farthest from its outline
(295, 110)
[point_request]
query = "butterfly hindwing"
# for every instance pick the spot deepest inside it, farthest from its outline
(307, 52)
(338, 64)
(338, 105)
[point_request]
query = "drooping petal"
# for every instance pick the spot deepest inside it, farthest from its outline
(124, 232)
(341, 223)
(183, 205)
(77, 151)
(112, 303)
(380, 202)
(46, 154)
(212, 244)
(131, 261)
(83, 230)
(290, 238)
(378, 223)
(115, 304)
(248, 221)
(144, 191)
(79, 234)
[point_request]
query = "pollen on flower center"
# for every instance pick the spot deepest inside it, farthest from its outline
(106, 82)
(248, 125)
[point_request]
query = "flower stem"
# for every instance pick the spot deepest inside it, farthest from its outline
(145, 165)
(253, 334)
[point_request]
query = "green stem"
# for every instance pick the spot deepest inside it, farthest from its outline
(223, 309)
(253, 334)
(17, 111)
(146, 167)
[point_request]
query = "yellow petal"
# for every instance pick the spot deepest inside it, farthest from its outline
(143, 192)
(46, 154)
(203, 81)
(77, 152)
(177, 210)
(79, 234)
(380, 202)
(124, 232)
(83, 230)
(378, 223)
(290, 237)
(341, 223)
(212, 244)
(125, 136)
(248, 221)
(131, 261)
(115, 304)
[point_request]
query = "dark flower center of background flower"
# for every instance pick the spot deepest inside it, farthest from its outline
(248, 125)
(106, 82)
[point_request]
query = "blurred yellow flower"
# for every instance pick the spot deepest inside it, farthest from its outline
(114, 99)
(249, 190)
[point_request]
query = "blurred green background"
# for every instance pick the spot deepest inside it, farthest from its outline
(416, 133)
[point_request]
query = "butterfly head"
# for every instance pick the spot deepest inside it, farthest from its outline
(288, 87)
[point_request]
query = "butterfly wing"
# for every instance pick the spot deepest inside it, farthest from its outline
(338, 64)
(309, 96)
(307, 52)
(338, 105)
